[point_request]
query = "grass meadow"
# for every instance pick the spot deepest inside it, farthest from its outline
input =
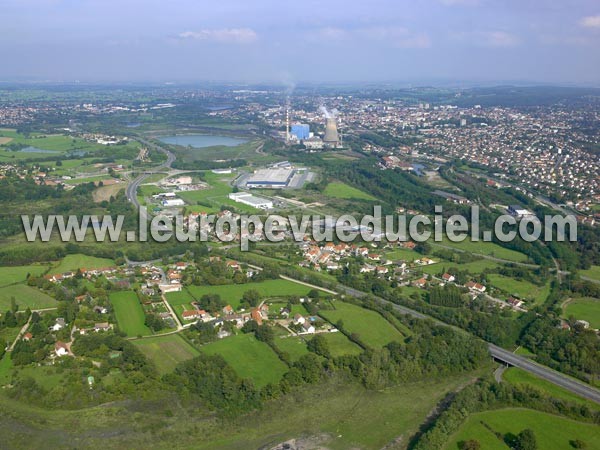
(249, 357)
(551, 432)
(129, 312)
(371, 327)
(166, 351)
(338, 189)
(25, 296)
(17, 274)
(586, 308)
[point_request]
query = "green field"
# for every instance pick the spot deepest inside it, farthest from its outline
(232, 293)
(520, 288)
(6, 366)
(129, 312)
(215, 196)
(25, 296)
(593, 273)
(16, 274)
(293, 346)
(249, 358)
(474, 267)
(52, 144)
(484, 248)
(517, 376)
(587, 308)
(166, 351)
(403, 254)
(551, 432)
(71, 263)
(372, 328)
(340, 345)
(337, 189)
(349, 415)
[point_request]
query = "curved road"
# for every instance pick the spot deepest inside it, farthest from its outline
(132, 188)
(577, 387)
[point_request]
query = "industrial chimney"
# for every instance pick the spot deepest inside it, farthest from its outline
(331, 133)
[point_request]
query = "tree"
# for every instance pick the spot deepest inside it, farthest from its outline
(251, 297)
(526, 440)
(314, 293)
(319, 345)
(471, 444)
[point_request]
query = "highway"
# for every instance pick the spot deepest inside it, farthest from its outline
(498, 353)
(577, 387)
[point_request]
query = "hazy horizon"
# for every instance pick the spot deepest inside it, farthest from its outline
(433, 42)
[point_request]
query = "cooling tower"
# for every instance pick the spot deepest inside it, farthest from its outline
(331, 133)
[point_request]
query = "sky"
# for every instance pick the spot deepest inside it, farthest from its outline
(290, 42)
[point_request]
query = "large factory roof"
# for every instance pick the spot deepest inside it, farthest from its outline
(271, 176)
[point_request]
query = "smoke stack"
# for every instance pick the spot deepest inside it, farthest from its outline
(331, 132)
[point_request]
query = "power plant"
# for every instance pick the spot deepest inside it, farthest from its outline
(331, 133)
(331, 137)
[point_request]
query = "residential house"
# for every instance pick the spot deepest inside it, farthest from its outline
(307, 327)
(61, 349)
(475, 287)
(448, 278)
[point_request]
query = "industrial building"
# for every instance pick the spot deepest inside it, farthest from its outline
(270, 178)
(300, 131)
(518, 211)
(251, 200)
(173, 202)
(313, 143)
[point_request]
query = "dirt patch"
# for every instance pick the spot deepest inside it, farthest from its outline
(305, 443)
(106, 192)
(5, 140)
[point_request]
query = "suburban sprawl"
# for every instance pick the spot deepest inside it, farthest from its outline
(300, 343)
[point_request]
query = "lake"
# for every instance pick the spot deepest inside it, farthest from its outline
(202, 140)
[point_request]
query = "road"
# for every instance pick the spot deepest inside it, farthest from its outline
(577, 387)
(497, 353)
(547, 374)
(24, 328)
(132, 188)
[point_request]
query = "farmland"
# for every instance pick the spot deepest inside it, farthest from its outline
(16, 274)
(587, 309)
(232, 293)
(372, 328)
(129, 312)
(474, 267)
(342, 190)
(520, 288)
(79, 261)
(25, 296)
(166, 351)
(484, 248)
(551, 431)
(249, 357)
(293, 346)
(340, 345)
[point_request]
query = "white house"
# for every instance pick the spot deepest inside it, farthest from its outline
(61, 349)
(308, 328)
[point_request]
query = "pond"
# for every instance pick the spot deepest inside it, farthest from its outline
(202, 140)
